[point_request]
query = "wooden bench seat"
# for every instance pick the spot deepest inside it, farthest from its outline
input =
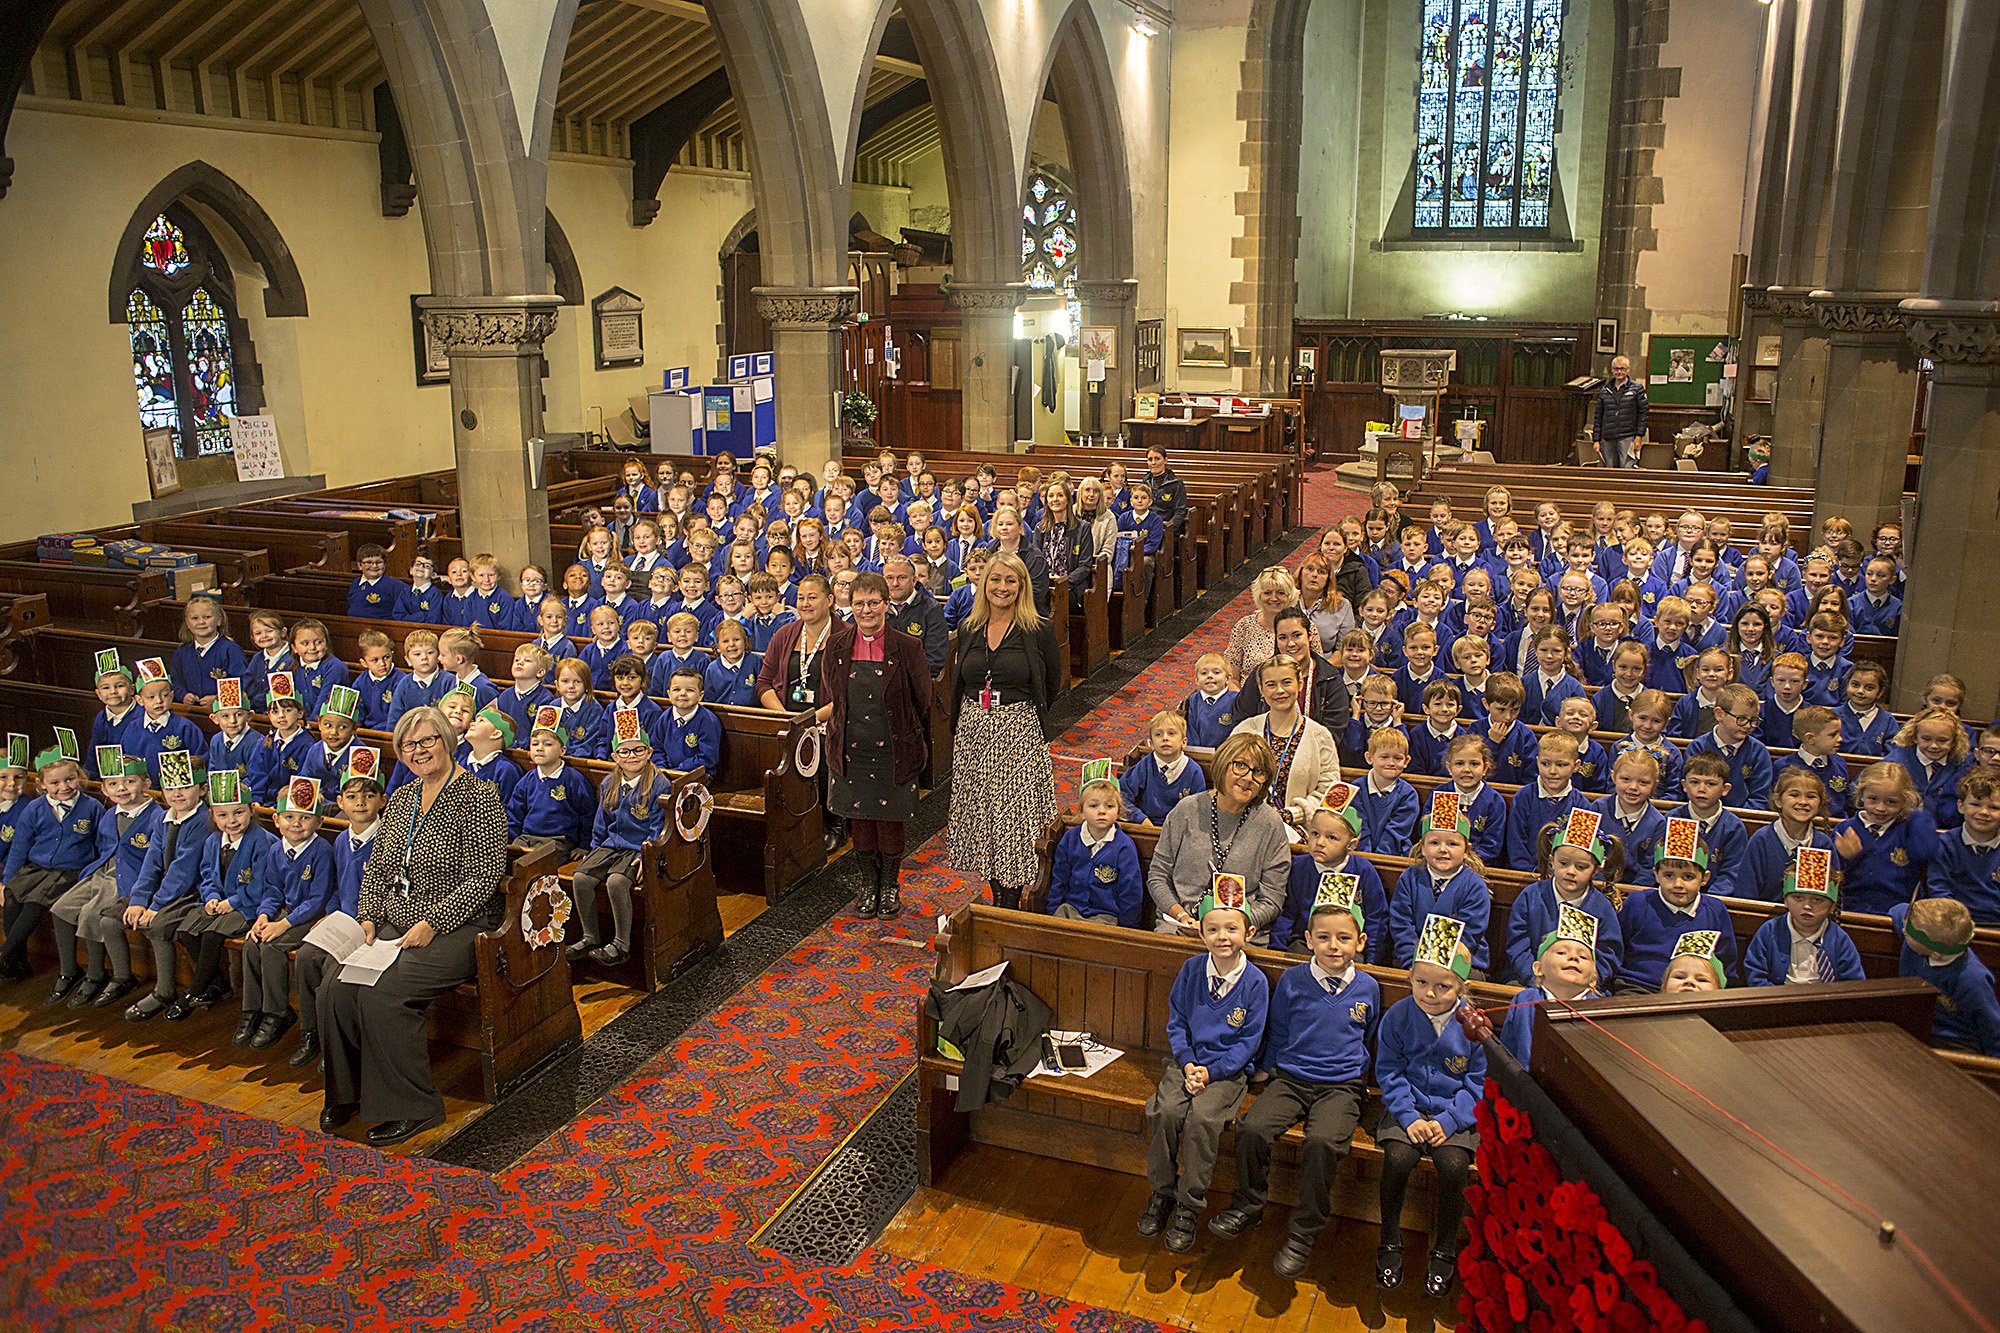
(108, 599)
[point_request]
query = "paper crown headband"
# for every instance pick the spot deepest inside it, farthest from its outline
(176, 770)
(281, 687)
(342, 701)
(1580, 831)
(1096, 770)
(1441, 944)
(1445, 813)
(63, 751)
(1226, 891)
(1700, 944)
(1341, 892)
(225, 787)
(501, 723)
(1812, 872)
(1682, 842)
(228, 694)
(152, 671)
(463, 688)
(300, 796)
(109, 665)
(1572, 923)
(20, 751)
(625, 728)
(1340, 799)
(363, 761)
(548, 718)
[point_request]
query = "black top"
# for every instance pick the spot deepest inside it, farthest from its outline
(1025, 668)
(454, 864)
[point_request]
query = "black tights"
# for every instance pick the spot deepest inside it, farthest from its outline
(1454, 1170)
(877, 835)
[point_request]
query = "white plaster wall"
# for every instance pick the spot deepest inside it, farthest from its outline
(1204, 175)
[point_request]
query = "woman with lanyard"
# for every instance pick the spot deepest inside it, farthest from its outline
(1301, 748)
(876, 693)
(1002, 788)
(1007, 540)
(789, 680)
(1065, 544)
(1228, 829)
(440, 855)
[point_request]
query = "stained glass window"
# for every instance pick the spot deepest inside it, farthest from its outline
(183, 354)
(1486, 114)
(1049, 236)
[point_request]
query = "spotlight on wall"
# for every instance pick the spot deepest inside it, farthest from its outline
(1145, 26)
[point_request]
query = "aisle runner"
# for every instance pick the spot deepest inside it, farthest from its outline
(121, 1207)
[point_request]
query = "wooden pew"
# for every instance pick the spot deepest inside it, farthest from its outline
(21, 614)
(110, 599)
(437, 489)
(1114, 984)
(397, 537)
(238, 567)
(289, 550)
(1129, 602)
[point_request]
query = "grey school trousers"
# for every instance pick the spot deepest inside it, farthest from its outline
(1331, 1112)
(1187, 1133)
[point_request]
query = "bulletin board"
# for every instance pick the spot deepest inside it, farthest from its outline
(1680, 368)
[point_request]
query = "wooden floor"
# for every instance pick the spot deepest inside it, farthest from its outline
(1068, 1231)
(194, 1058)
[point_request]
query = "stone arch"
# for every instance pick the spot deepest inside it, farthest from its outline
(1080, 69)
(562, 259)
(745, 228)
(201, 184)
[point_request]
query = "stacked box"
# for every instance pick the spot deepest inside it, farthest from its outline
(60, 548)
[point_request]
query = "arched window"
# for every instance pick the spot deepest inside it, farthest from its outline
(1486, 114)
(180, 314)
(1049, 239)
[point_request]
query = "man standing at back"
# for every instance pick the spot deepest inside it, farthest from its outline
(1621, 416)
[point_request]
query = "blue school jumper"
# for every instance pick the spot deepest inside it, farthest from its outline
(1749, 769)
(127, 855)
(1593, 767)
(1514, 754)
(249, 755)
(1596, 663)
(1873, 737)
(585, 731)
(599, 658)
(1302, 885)
(10, 820)
(1355, 739)
(244, 885)
(1418, 895)
(495, 610)
(257, 670)
(314, 681)
(626, 607)
(175, 733)
(1867, 617)
(426, 604)
(1774, 722)
(1427, 748)
(1388, 818)
(103, 731)
(1220, 1033)
(1939, 789)
(1534, 915)
(484, 691)
(1530, 810)
(627, 823)
(1208, 720)
(1966, 1008)
(1410, 688)
(1826, 682)
(649, 722)
(1768, 960)
(379, 599)
(1650, 929)
(1765, 861)
(1695, 716)
(1753, 668)
(350, 862)
(1968, 873)
(1831, 770)
(558, 648)
(459, 610)
(1316, 1035)
(414, 693)
(576, 613)
(1149, 796)
(288, 760)
(1886, 871)
(195, 670)
(1105, 882)
(42, 841)
(520, 708)
(707, 613)
(1517, 1031)
(732, 685)
(684, 743)
(1639, 838)
(1149, 525)
(497, 769)
(763, 627)
(327, 767)
(1726, 839)
(562, 806)
(1486, 811)
(163, 882)
(655, 612)
(378, 699)
(660, 672)
(298, 888)
(1425, 1074)
(1666, 663)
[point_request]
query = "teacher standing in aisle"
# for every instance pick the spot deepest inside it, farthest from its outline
(1620, 418)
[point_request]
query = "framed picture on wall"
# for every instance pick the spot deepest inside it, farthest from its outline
(1098, 343)
(163, 469)
(1204, 347)
(1607, 337)
(619, 324)
(433, 366)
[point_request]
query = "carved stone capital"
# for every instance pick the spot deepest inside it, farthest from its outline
(807, 307)
(1756, 298)
(987, 297)
(1954, 333)
(1859, 316)
(490, 325)
(1120, 292)
(1792, 304)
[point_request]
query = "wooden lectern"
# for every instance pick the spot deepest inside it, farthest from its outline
(1839, 1077)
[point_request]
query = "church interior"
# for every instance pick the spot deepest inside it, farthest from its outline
(1366, 322)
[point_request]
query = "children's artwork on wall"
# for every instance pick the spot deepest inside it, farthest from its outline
(163, 470)
(1099, 343)
(254, 439)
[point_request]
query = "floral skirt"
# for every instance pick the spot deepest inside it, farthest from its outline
(1003, 793)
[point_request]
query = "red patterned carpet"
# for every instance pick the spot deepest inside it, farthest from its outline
(121, 1207)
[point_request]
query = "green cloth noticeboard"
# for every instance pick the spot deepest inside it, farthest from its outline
(1680, 368)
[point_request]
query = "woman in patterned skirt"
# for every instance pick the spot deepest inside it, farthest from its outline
(1002, 788)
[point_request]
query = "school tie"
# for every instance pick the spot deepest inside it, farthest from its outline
(1215, 988)
(222, 860)
(167, 844)
(125, 824)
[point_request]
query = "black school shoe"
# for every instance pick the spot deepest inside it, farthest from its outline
(86, 994)
(181, 1009)
(1293, 1256)
(114, 990)
(1441, 1273)
(246, 1028)
(1154, 1220)
(307, 1052)
(1180, 1231)
(1388, 1267)
(1233, 1222)
(395, 1131)
(64, 985)
(270, 1027)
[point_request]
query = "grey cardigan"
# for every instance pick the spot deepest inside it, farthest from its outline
(1260, 851)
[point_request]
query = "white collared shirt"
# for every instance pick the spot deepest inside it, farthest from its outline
(1687, 911)
(1094, 846)
(1332, 982)
(1439, 1020)
(1804, 966)
(1786, 841)
(1229, 981)
(1172, 772)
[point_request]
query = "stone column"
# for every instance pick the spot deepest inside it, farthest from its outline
(1752, 418)
(986, 359)
(1801, 388)
(1948, 620)
(1111, 305)
(807, 324)
(495, 345)
(1871, 393)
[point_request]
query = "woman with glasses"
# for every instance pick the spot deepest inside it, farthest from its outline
(1229, 829)
(1255, 637)
(440, 856)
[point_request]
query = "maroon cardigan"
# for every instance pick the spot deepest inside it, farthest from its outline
(907, 685)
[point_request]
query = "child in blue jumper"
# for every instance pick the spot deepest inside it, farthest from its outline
(90, 909)
(54, 841)
(206, 654)
(1630, 815)
(1442, 884)
(1705, 782)
(1215, 1026)
(1652, 920)
(360, 804)
(298, 887)
(1322, 1021)
(1164, 775)
(1096, 874)
(1431, 1074)
(629, 815)
(1209, 709)
(1806, 944)
(1565, 968)
(1547, 800)
(552, 803)
(1799, 801)
(1576, 854)
(1888, 840)
(1936, 933)
(1967, 865)
(1333, 830)
(167, 893)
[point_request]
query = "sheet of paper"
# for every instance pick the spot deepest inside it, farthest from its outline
(365, 966)
(982, 977)
(1095, 1057)
(337, 933)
